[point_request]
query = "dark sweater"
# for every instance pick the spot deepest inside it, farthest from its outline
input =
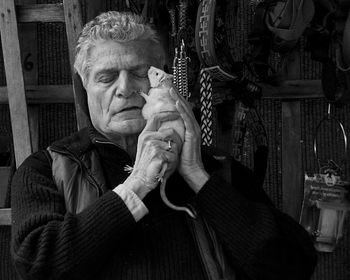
(105, 242)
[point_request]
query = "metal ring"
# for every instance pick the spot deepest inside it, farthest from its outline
(169, 146)
(329, 118)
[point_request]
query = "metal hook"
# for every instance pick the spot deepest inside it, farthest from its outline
(328, 117)
(329, 111)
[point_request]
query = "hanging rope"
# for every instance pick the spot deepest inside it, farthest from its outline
(206, 92)
(183, 6)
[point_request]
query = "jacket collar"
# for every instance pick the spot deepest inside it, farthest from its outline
(82, 141)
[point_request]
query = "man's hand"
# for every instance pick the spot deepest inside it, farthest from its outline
(152, 153)
(190, 166)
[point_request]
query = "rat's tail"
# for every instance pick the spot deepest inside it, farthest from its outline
(191, 212)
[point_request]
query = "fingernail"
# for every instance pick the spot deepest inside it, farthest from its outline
(178, 104)
(173, 93)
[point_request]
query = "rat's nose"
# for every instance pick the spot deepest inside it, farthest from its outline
(151, 70)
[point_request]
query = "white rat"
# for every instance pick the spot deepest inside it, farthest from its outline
(158, 101)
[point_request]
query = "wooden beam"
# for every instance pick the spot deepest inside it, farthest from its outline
(5, 217)
(290, 90)
(292, 184)
(74, 25)
(43, 94)
(294, 89)
(64, 93)
(40, 13)
(15, 81)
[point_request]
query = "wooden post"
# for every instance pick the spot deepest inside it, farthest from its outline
(74, 25)
(292, 184)
(15, 81)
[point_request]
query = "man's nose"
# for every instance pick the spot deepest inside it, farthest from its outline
(124, 85)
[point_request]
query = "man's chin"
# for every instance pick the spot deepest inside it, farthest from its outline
(127, 126)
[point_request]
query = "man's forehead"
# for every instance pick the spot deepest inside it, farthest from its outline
(104, 63)
(109, 54)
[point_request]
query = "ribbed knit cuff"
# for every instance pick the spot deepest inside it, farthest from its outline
(132, 201)
(109, 212)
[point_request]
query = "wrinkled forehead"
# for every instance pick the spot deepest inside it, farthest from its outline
(125, 55)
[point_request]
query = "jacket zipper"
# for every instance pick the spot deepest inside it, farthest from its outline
(115, 145)
(89, 177)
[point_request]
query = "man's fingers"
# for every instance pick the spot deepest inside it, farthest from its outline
(162, 135)
(155, 122)
(158, 151)
(185, 104)
(175, 95)
(188, 120)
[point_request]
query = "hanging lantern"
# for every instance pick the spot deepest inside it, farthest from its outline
(324, 209)
(325, 203)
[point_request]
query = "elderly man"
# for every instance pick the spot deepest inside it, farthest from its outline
(78, 214)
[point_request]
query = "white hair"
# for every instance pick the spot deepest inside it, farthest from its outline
(116, 26)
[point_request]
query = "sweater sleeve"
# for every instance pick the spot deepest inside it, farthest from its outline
(47, 241)
(261, 241)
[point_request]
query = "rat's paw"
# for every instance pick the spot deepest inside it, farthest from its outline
(160, 178)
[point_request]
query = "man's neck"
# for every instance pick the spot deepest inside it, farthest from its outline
(129, 143)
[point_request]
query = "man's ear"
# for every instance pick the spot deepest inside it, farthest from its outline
(81, 104)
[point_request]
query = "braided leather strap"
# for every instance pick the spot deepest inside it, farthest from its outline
(183, 15)
(206, 108)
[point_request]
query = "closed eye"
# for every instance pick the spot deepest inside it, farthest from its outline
(106, 76)
(140, 73)
(106, 79)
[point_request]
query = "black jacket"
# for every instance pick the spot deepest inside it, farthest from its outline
(103, 241)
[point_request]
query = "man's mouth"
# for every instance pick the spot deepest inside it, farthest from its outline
(129, 109)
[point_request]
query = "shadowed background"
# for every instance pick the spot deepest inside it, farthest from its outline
(58, 120)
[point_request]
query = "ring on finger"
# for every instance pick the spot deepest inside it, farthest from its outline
(169, 146)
